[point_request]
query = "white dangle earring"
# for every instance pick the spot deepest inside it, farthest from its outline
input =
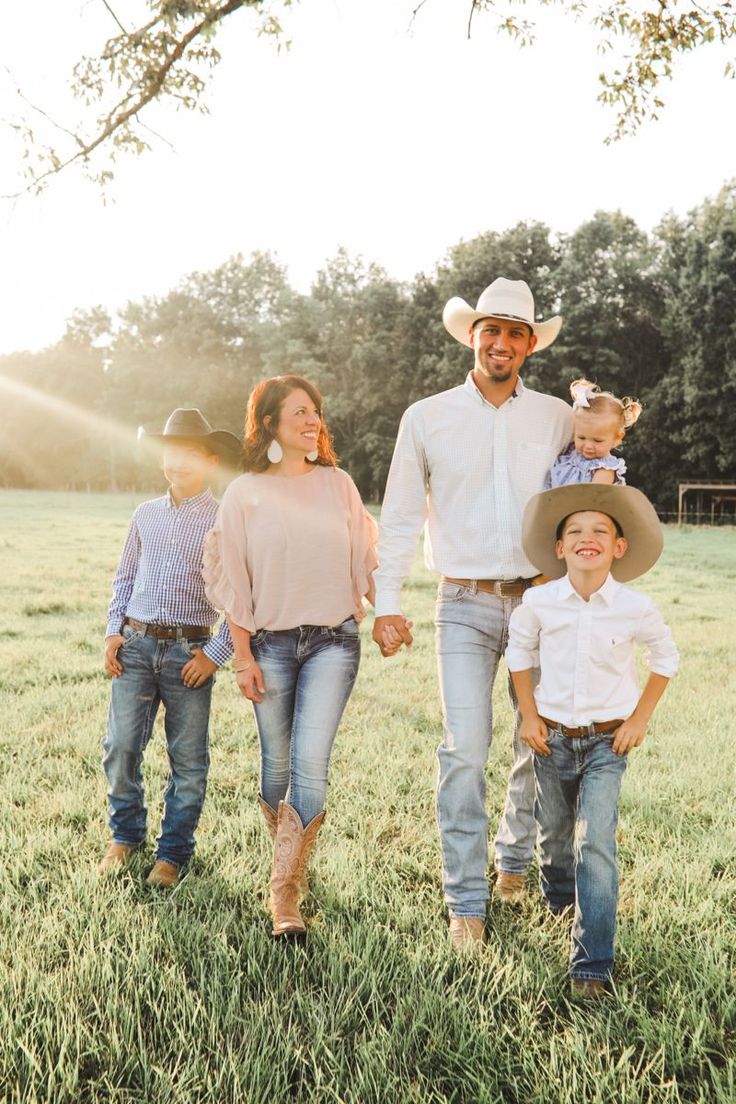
(275, 452)
(312, 455)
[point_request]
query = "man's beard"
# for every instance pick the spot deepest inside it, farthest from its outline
(498, 375)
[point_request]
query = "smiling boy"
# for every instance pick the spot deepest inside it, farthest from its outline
(159, 649)
(587, 711)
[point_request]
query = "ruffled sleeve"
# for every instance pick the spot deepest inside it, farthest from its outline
(617, 464)
(363, 542)
(571, 467)
(225, 564)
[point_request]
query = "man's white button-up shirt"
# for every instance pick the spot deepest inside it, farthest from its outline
(467, 469)
(585, 650)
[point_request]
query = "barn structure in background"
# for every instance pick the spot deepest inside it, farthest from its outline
(708, 503)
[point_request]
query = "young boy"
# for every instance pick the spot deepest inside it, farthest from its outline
(158, 648)
(587, 711)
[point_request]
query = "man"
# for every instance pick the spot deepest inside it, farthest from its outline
(466, 462)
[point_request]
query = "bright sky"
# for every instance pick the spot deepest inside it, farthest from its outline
(393, 139)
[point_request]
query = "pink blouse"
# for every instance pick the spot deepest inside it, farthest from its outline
(290, 551)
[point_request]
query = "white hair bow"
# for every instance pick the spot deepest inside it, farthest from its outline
(581, 397)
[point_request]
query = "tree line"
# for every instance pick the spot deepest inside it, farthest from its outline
(647, 315)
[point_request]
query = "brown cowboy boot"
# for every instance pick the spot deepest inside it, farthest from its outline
(271, 817)
(293, 846)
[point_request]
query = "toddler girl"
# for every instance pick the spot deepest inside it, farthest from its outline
(600, 422)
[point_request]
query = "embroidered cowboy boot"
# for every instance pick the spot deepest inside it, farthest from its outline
(294, 844)
(271, 817)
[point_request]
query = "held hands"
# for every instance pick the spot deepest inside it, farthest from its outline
(533, 732)
(391, 631)
(112, 664)
(250, 682)
(198, 669)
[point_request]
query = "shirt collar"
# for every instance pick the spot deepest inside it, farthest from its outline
(472, 389)
(202, 499)
(605, 593)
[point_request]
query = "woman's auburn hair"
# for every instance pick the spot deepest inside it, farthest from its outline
(265, 402)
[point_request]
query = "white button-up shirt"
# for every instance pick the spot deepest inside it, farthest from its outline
(585, 650)
(467, 469)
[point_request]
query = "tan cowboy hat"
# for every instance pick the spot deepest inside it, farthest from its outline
(501, 299)
(632, 510)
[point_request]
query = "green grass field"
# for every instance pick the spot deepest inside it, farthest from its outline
(110, 992)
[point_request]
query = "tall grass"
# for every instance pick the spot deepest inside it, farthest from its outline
(111, 992)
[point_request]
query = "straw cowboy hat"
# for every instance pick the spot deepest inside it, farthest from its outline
(191, 424)
(501, 299)
(632, 510)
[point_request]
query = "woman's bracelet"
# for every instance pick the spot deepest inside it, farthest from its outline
(242, 665)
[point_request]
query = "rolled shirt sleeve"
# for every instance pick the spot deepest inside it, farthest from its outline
(220, 648)
(660, 651)
(522, 651)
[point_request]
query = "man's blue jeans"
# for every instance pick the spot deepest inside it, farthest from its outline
(472, 633)
(152, 675)
(309, 673)
(577, 812)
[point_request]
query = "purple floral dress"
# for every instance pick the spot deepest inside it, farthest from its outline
(572, 467)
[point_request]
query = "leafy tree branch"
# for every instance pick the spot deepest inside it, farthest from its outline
(652, 32)
(167, 57)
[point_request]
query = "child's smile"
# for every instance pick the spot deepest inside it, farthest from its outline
(589, 543)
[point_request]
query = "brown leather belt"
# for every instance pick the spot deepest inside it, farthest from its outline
(604, 728)
(169, 632)
(502, 588)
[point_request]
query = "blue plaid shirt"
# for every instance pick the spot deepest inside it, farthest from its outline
(159, 577)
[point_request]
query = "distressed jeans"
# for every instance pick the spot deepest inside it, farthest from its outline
(151, 676)
(577, 811)
(472, 633)
(308, 673)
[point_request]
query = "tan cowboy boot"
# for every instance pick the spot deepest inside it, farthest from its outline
(164, 875)
(467, 932)
(270, 816)
(510, 889)
(117, 857)
(293, 846)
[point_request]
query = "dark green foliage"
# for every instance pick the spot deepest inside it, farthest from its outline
(649, 316)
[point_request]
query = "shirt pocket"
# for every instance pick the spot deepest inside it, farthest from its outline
(611, 652)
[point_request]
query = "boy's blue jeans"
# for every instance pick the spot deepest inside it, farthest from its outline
(309, 673)
(577, 811)
(472, 634)
(152, 675)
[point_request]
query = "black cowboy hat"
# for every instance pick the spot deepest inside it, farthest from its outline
(190, 424)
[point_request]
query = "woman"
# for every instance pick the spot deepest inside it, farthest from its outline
(289, 562)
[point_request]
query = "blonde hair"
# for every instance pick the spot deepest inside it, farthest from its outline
(587, 395)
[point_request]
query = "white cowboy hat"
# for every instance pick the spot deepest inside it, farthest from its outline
(501, 299)
(632, 510)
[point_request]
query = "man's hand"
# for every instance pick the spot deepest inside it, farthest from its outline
(533, 732)
(629, 735)
(390, 632)
(113, 666)
(198, 669)
(250, 683)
